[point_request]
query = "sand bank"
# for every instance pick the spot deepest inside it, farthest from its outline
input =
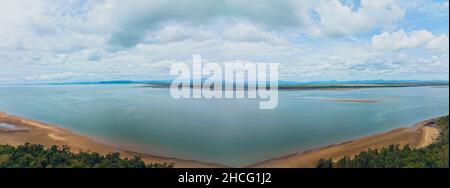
(420, 135)
(17, 130)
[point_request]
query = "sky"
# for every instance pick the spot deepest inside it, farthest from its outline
(79, 40)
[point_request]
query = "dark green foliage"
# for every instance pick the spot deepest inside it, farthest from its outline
(443, 126)
(325, 163)
(36, 156)
(435, 155)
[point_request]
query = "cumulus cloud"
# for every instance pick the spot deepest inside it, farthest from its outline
(246, 32)
(439, 43)
(174, 33)
(115, 24)
(401, 40)
(138, 39)
(14, 19)
(142, 16)
(320, 17)
(339, 19)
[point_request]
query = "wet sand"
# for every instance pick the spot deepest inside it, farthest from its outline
(18, 130)
(420, 135)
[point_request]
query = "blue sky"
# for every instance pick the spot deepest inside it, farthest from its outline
(79, 40)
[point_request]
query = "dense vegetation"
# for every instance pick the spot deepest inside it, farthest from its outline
(37, 156)
(435, 155)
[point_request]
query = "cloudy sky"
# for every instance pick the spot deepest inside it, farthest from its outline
(76, 40)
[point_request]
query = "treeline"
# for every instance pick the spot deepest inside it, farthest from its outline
(435, 155)
(37, 156)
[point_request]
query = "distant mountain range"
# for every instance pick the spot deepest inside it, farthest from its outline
(281, 82)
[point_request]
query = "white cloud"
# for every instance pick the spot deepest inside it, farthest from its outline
(246, 32)
(118, 18)
(174, 33)
(108, 39)
(339, 19)
(14, 19)
(401, 40)
(154, 14)
(115, 25)
(53, 76)
(439, 43)
(425, 6)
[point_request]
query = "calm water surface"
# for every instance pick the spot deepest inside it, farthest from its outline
(228, 131)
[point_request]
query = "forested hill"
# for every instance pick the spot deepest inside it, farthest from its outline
(435, 155)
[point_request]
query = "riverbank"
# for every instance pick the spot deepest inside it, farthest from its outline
(17, 130)
(420, 135)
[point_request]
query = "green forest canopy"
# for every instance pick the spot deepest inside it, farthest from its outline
(37, 156)
(435, 155)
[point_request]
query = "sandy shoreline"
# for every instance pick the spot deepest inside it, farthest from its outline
(420, 135)
(40, 133)
(26, 130)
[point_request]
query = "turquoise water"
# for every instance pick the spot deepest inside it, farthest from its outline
(228, 131)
